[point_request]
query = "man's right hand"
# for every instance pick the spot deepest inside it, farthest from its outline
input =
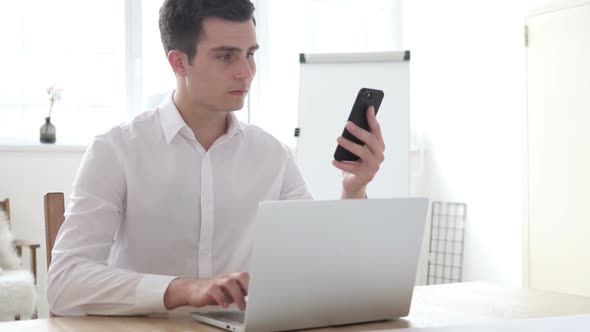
(223, 290)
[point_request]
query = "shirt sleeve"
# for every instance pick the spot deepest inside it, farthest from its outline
(79, 280)
(294, 187)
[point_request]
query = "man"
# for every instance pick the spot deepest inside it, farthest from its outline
(162, 210)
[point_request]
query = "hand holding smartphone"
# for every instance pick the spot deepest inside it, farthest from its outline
(358, 115)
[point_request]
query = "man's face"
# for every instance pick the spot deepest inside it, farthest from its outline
(223, 67)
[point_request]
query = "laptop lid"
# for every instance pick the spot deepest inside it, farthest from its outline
(322, 263)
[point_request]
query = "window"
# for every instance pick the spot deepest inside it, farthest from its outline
(108, 57)
(157, 76)
(78, 44)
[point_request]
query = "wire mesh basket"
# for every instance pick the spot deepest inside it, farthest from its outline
(447, 240)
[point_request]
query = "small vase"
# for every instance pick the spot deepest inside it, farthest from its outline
(47, 132)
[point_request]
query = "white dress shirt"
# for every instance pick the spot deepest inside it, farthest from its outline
(149, 204)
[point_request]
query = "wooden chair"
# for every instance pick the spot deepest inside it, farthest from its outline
(19, 244)
(5, 206)
(54, 218)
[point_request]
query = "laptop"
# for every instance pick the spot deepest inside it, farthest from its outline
(327, 263)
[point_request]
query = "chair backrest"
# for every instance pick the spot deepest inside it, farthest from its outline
(54, 218)
(5, 206)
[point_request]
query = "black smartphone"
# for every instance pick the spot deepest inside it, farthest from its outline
(358, 115)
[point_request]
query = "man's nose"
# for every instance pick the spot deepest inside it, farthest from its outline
(243, 70)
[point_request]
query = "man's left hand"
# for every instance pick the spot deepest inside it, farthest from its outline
(357, 174)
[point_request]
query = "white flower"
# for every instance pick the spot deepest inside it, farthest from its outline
(54, 91)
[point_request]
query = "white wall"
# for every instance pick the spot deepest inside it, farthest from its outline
(467, 89)
(25, 177)
(468, 100)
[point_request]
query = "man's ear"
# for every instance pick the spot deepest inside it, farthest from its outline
(178, 61)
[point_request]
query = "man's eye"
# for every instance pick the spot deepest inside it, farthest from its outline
(225, 57)
(250, 55)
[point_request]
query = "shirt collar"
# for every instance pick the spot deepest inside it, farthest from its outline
(170, 118)
(234, 126)
(172, 123)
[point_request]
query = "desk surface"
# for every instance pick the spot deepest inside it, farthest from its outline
(432, 306)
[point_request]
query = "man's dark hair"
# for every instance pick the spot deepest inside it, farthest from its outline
(181, 21)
